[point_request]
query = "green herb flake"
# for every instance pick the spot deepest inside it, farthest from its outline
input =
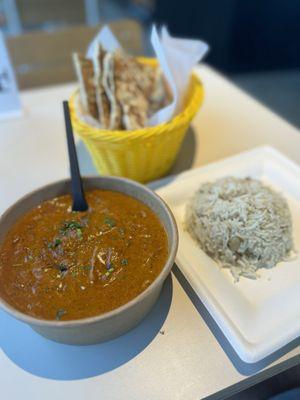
(86, 267)
(110, 222)
(82, 268)
(107, 273)
(74, 273)
(111, 269)
(79, 233)
(60, 313)
(71, 225)
(124, 261)
(54, 244)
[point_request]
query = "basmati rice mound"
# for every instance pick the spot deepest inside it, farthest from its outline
(242, 224)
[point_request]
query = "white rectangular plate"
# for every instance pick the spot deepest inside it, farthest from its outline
(257, 316)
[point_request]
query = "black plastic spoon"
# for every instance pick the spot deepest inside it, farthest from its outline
(79, 202)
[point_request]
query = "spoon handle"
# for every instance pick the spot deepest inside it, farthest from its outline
(79, 202)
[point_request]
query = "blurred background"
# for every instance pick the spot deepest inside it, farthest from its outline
(254, 42)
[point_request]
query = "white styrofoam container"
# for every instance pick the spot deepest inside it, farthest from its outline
(257, 316)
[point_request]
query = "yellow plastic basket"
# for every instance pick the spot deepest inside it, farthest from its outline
(145, 154)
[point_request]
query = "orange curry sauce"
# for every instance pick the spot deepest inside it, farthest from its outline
(64, 265)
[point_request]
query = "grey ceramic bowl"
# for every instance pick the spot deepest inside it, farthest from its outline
(114, 323)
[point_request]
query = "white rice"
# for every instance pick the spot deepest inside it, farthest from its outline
(242, 224)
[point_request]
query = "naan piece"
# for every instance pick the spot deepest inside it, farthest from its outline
(160, 95)
(119, 91)
(87, 91)
(115, 121)
(151, 82)
(101, 96)
(133, 102)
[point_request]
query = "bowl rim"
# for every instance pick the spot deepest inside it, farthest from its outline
(6, 306)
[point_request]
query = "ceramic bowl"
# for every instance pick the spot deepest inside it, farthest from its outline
(114, 323)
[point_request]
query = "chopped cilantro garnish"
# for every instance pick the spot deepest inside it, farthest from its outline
(111, 269)
(54, 244)
(110, 222)
(79, 233)
(74, 273)
(60, 313)
(86, 267)
(124, 261)
(71, 225)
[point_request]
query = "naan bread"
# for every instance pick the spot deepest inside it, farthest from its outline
(101, 96)
(87, 91)
(119, 91)
(115, 121)
(160, 95)
(133, 102)
(151, 82)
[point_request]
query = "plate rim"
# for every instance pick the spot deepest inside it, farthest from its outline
(249, 352)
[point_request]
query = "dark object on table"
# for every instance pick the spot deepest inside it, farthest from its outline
(79, 202)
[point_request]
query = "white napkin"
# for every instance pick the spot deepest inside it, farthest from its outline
(107, 40)
(176, 57)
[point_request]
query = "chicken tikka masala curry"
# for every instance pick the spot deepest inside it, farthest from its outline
(65, 265)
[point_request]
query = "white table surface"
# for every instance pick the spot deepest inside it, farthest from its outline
(191, 359)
